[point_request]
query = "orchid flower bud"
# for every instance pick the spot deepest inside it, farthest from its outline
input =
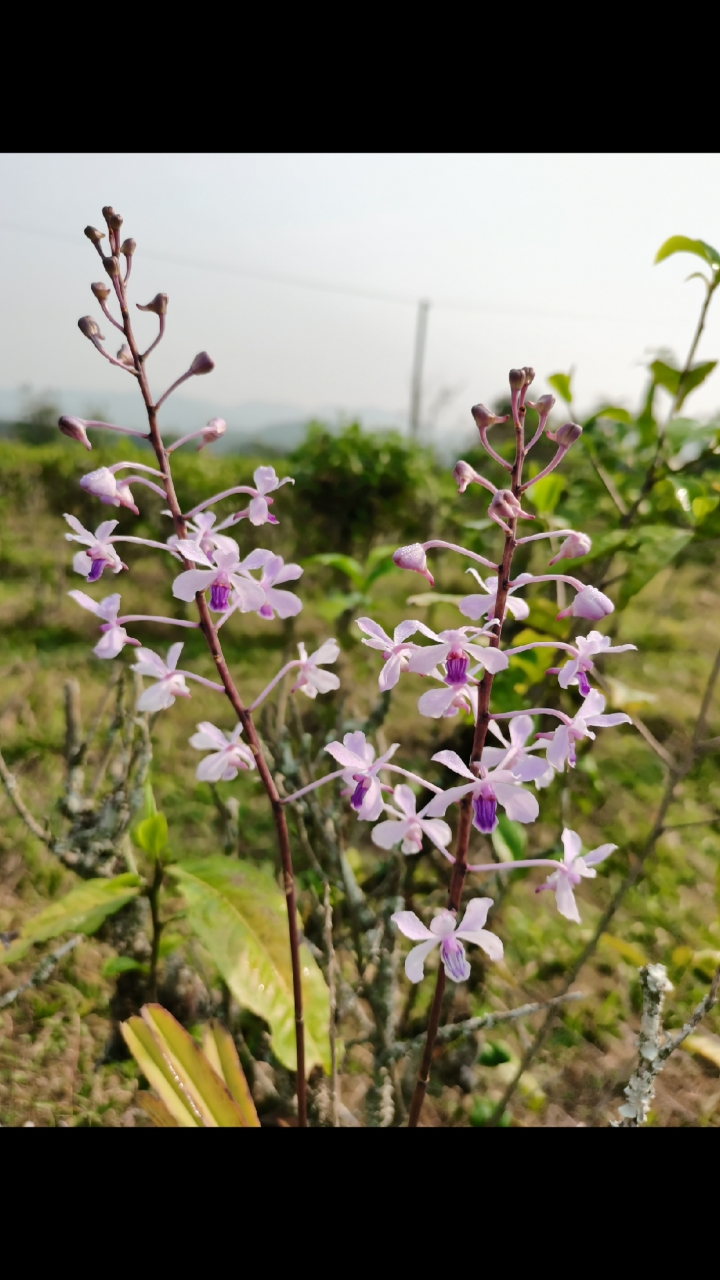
(463, 475)
(589, 603)
(566, 435)
(93, 234)
(158, 305)
(543, 406)
(101, 291)
(125, 355)
(577, 544)
(89, 327)
(75, 429)
(128, 247)
(202, 364)
(505, 505)
(115, 221)
(485, 418)
(215, 428)
(107, 212)
(112, 266)
(517, 379)
(529, 375)
(414, 558)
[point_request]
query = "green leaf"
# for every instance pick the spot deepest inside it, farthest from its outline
(152, 835)
(546, 494)
(82, 910)
(669, 378)
(615, 414)
(562, 383)
(628, 950)
(508, 839)
(332, 606)
(122, 964)
(194, 1094)
(426, 598)
(219, 1049)
(658, 546)
(346, 564)
(683, 244)
(380, 568)
(239, 914)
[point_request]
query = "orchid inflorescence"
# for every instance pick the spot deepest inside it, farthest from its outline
(509, 771)
(461, 662)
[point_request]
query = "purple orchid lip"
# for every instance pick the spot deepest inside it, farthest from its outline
(583, 683)
(485, 813)
(452, 954)
(219, 596)
(456, 665)
(358, 794)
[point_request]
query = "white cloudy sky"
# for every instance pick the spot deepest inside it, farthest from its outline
(526, 259)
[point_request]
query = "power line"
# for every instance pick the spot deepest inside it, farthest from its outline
(320, 286)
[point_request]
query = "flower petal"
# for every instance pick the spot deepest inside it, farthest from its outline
(520, 729)
(149, 664)
(348, 759)
(258, 510)
(608, 722)
(435, 702)
(157, 698)
(208, 737)
(490, 943)
(452, 760)
(249, 594)
(415, 962)
(571, 843)
(557, 749)
(405, 799)
(191, 550)
(565, 899)
(475, 607)
(423, 660)
(493, 660)
(386, 834)
(519, 609)
(519, 805)
(437, 831)
(187, 584)
(173, 654)
(328, 653)
(598, 855)
(285, 604)
(440, 803)
(476, 914)
(409, 924)
(212, 768)
(390, 673)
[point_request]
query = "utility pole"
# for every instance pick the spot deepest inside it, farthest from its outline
(416, 384)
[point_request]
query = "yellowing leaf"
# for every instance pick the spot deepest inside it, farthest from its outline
(426, 598)
(628, 950)
(220, 1051)
(149, 1057)
(156, 1109)
(707, 1047)
(82, 910)
(239, 914)
(205, 1088)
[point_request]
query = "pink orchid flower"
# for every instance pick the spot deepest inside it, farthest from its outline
(585, 648)
(200, 531)
(515, 756)
(258, 512)
(446, 932)
(274, 570)
(571, 870)
(170, 683)
(561, 743)
(576, 544)
(590, 604)
(228, 755)
(360, 767)
(396, 652)
(476, 606)
(100, 554)
(447, 702)
(219, 578)
(488, 789)
(114, 636)
(311, 681)
(454, 648)
(109, 489)
(409, 826)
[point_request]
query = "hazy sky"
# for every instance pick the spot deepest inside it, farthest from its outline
(526, 259)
